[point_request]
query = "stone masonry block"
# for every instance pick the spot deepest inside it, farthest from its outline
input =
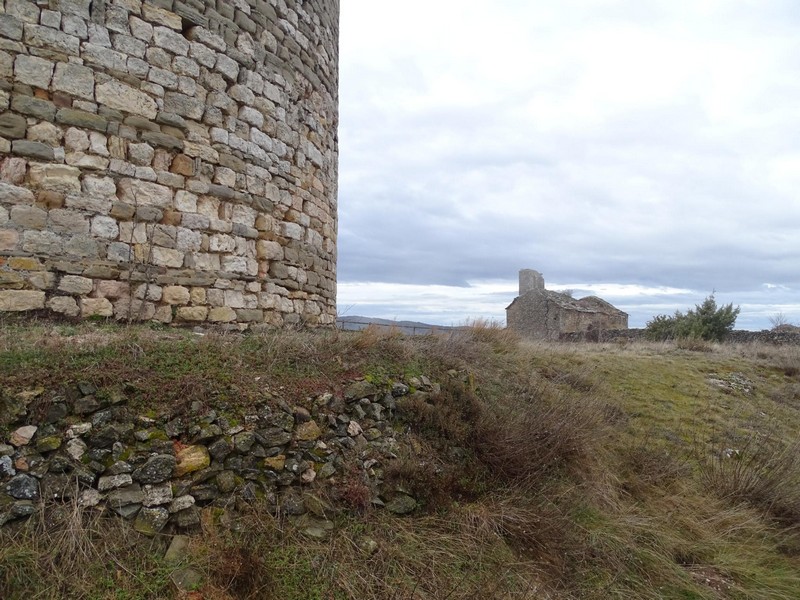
(33, 70)
(119, 96)
(96, 307)
(175, 294)
(21, 300)
(74, 79)
(74, 284)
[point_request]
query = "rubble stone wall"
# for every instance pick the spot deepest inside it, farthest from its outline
(169, 160)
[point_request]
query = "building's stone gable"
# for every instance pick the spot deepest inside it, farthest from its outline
(172, 160)
(543, 314)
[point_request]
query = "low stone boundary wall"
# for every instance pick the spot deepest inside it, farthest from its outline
(734, 337)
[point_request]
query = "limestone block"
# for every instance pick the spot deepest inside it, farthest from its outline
(28, 217)
(24, 263)
(144, 193)
(234, 298)
(65, 305)
(188, 240)
(9, 238)
(225, 176)
(12, 194)
(82, 246)
(42, 280)
(186, 106)
(195, 221)
(74, 284)
(89, 203)
(76, 140)
(125, 308)
(234, 264)
(73, 79)
(105, 227)
(112, 289)
(119, 96)
(175, 294)
(292, 230)
(42, 242)
(167, 257)
(221, 243)
(149, 291)
(202, 151)
(204, 261)
(163, 314)
(192, 313)
(33, 70)
(21, 300)
(104, 187)
(87, 161)
(198, 295)
(141, 154)
(43, 37)
(120, 252)
(60, 178)
(98, 143)
(185, 202)
(46, 133)
(222, 314)
(170, 40)
(96, 307)
(245, 315)
(141, 30)
(3, 215)
(74, 25)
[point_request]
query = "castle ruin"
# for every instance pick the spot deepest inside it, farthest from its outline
(543, 314)
(169, 160)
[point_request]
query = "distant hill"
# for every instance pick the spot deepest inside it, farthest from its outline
(356, 323)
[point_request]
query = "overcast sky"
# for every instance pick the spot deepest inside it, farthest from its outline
(647, 151)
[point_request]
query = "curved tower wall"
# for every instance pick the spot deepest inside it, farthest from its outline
(169, 160)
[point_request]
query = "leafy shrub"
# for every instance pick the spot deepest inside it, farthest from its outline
(706, 322)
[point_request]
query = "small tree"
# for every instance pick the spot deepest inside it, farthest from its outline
(706, 321)
(778, 320)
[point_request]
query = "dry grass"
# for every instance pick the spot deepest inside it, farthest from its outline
(543, 470)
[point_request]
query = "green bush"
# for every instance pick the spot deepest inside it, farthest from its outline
(705, 321)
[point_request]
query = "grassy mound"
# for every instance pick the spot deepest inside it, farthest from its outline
(540, 470)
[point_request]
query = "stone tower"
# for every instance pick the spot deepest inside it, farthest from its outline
(530, 280)
(169, 160)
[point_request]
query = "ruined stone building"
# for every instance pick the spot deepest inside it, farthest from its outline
(542, 314)
(169, 160)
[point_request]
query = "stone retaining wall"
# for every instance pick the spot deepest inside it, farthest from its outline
(86, 445)
(173, 160)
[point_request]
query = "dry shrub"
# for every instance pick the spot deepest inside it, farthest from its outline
(760, 472)
(451, 415)
(694, 344)
(233, 555)
(579, 379)
(488, 330)
(353, 491)
(788, 394)
(526, 442)
(532, 524)
(63, 551)
(647, 465)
